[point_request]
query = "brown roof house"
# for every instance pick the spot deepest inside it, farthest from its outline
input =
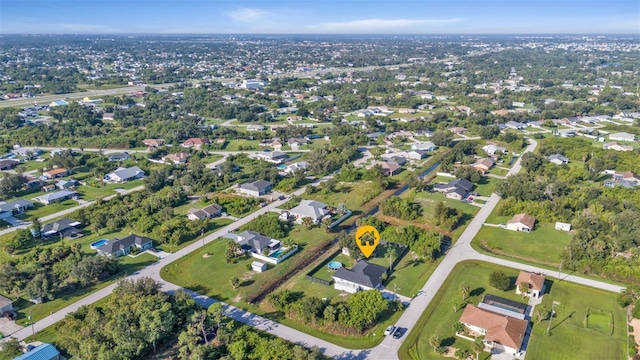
(483, 165)
(500, 331)
(195, 143)
(388, 168)
(534, 287)
(178, 158)
(153, 142)
(521, 222)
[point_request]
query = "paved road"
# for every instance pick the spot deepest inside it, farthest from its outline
(388, 349)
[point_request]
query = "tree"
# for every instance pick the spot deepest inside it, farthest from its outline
(478, 347)
(39, 288)
(542, 313)
(462, 354)
(307, 221)
(524, 288)
(232, 251)
(442, 138)
(11, 348)
(456, 304)
(499, 280)
(532, 162)
(235, 282)
(11, 183)
(464, 290)
(458, 327)
(392, 254)
(434, 341)
(35, 227)
(326, 223)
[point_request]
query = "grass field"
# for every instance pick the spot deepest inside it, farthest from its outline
(439, 316)
(350, 194)
(544, 244)
(570, 339)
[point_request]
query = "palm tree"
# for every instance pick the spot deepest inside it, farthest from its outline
(391, 254)
(478, 347)
(464, 290)
(434, 341)
(235, 282)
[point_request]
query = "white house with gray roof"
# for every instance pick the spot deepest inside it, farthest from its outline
(255, 188)
(362, 276)
(622, 136)
(121, 175)
(313, 209)
(54, 197)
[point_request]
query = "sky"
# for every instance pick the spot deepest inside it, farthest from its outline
(320, 17)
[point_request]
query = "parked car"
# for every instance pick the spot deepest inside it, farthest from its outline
(389, 330)
(30, 347)
(398, 333)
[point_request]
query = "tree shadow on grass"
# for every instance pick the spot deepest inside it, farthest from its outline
(412, 263)
(448, 341)
(477, 291)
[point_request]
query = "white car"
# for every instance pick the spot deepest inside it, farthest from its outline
(389, 330)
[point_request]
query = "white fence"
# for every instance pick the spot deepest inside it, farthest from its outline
(275, 261)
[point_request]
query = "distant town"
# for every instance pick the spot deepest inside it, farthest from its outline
(197, 196)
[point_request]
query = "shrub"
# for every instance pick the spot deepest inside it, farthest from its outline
(499, 280)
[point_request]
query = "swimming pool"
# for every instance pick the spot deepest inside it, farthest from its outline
(334, 265)
(277, 253)
(281, 166)
(99, 243)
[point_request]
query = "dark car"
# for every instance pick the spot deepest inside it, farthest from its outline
(399, 332)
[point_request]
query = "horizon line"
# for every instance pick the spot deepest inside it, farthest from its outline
(316, 34)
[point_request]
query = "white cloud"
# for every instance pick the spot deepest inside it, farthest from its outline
(383, 25)
(246, 14)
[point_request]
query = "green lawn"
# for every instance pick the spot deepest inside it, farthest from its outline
(350, 194)
(212, 226)
(544, 244)
(570, 338)
(39, 210)
(439, 316)
(574, 338)
(40, 311)
(428, 201)
(234, 145)
(487, 185)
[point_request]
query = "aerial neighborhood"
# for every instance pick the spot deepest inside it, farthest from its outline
(146, 176)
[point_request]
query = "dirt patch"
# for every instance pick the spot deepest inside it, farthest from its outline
(204, 256)
(635, 323)
(399, 222)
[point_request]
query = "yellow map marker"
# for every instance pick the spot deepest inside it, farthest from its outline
(367, 238)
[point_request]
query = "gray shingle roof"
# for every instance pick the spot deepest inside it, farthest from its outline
(363, 273)
(251, 240)
(113, 245)
(12, 205)
(311, 208)
(257, 185)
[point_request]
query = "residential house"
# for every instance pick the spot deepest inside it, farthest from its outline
(617, 147)
(63, 227)
(41, 352)
(297, 141)
(521, 222)
(629, 176)
(458, 130)
(255, 188)
(58, 196)
(207, 212)
(15, 207)
(254, 242)
(55, 173)
(315, 210)
(416, 154)
(558, 159)
(388, 168)
(123, 156)
(5, 305)
(622, 136)
(493, 149)
(566, 133)
(534, 287)
(195, 143)
(515, 125)
(298, 166)
(483, 165)
(455, 189)
(255, 128)
(8, 164)
(500, 331)
(275, 157)
(121, 175)
(424, 146)
(48, 187)
(120, 247)
(58, 103)
(362, 276)
(561, 226)
(66, 184)
(33, 184)
(153, 142)
(177, 158)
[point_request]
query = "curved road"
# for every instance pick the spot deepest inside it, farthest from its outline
(386, 350)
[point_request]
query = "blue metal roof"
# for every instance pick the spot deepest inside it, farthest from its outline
(41, 352)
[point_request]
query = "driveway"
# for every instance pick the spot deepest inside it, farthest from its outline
(8, 327)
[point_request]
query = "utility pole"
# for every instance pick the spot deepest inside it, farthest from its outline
(33, 331)
(553, 312)
(202, 234)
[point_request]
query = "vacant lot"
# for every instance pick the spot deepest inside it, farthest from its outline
(353, 195)
(543, 245)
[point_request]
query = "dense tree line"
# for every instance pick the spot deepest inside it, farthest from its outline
(401, 208)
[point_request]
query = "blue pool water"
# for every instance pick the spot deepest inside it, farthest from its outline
(281, 166)
(277, 253)
(334, 265)
(99, 243)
